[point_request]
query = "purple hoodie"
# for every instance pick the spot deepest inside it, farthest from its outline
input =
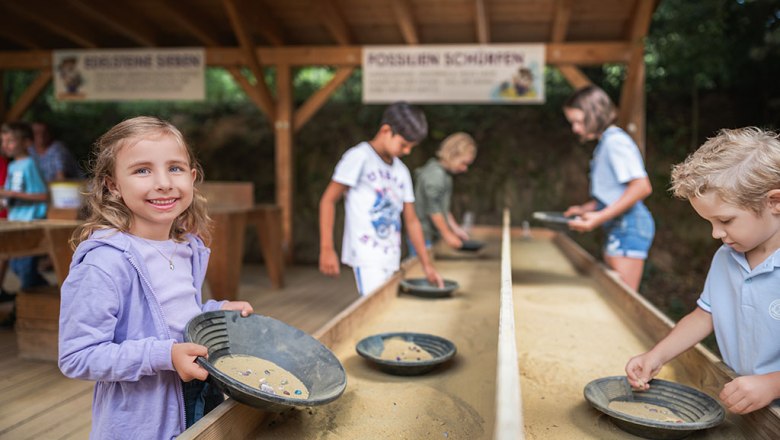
(113, 331)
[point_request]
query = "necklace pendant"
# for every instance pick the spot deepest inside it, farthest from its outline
(170, 264)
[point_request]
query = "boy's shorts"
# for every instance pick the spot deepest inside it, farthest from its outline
(369, 278)
(631, 234)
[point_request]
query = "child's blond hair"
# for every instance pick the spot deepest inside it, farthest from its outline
(108, 211)
(456, 146)
(740, 165)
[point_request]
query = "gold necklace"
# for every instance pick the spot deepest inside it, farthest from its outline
(170, 259)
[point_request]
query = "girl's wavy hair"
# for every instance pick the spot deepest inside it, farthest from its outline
(108, 211)
(740, 165)
(456, 146)
(599, 110)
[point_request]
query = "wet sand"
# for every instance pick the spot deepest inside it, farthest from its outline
(568, 335)
(455, 400)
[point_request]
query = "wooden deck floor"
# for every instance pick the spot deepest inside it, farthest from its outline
(39, 403)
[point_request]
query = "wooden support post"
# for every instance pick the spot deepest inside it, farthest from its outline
(28, 96)
(632, 98)
(284, 154)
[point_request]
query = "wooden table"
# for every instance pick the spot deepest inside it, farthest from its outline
(227, 246)
(19, 239)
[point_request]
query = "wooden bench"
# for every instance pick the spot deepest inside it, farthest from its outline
(37, 323)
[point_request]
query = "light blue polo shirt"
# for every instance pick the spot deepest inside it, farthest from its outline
(616, 161)
(745, 308)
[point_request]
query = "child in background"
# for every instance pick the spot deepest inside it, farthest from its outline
(733, 181)
(618, 184)
(135, 282)
(433, 189)
(378, 189)
(26, 195)
(4, 296)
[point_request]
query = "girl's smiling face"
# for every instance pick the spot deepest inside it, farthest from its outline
(154, 178)
(756, 235)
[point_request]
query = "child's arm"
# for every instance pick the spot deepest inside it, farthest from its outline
(748, 393)
(447, 234)
(456, 228)
(32, 197)
(414, 229)
(329, 261)
(588, 206)
(636, 190)
(694, 327)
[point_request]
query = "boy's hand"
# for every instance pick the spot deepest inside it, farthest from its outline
(183, 358)
(453, 241)
(574, 210)
(329, 263)
(748, 393)
(433, 277)
(241, 306)
(640, 369)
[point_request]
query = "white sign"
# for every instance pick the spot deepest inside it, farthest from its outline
(129, 75)
(487, 74)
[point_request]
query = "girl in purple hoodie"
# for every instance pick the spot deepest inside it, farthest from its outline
(134, 283)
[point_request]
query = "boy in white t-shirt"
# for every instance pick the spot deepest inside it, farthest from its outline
(378, 190)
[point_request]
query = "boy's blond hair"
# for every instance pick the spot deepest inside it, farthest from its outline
(108, 211)
(456, 146)
(740, 165)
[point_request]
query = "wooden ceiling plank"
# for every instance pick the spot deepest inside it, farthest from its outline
(320, 97)
(482, 21)
(28, 96)
(334, 21)
(196, 27)
(19, 38)
(250, 56)
(574, 76)
(55, 26)
(640, 23)
(268, 26)
(126, 25)
(403, 15)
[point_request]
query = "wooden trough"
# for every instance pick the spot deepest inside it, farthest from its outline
(537, 313)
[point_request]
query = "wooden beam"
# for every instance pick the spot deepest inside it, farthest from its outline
(632, 96)
(320, 97)
(199, 28)
(32, 13)
(28, 96)
(285, 179)
(405, 18)
(334, 22)
(268, 26)
(581, 53)
(250, 56)
(573, 75)
(250, 90)
(482, 22)
(128, 24)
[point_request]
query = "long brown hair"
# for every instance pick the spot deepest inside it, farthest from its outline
(108, 211)
(599, 110)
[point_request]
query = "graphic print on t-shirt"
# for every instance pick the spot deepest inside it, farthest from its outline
(384, 215)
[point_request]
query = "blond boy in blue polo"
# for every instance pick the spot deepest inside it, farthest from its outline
(733, 181)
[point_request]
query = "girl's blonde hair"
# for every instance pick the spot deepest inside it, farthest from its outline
(108, 211)
(740, 165)
(456, 146)
(599, 110)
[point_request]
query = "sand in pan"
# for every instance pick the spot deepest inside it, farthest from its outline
(455, 400)
(567, 336)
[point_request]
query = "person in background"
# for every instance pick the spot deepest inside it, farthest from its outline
(4, 296)
(135, 282)
(618, 185)
(26, 196)
(378, 191)
(733, 182)
(53, 158)
(433, 189)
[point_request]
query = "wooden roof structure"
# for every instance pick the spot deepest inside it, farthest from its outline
(249, 35)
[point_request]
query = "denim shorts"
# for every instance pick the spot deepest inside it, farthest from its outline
(631, 234)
